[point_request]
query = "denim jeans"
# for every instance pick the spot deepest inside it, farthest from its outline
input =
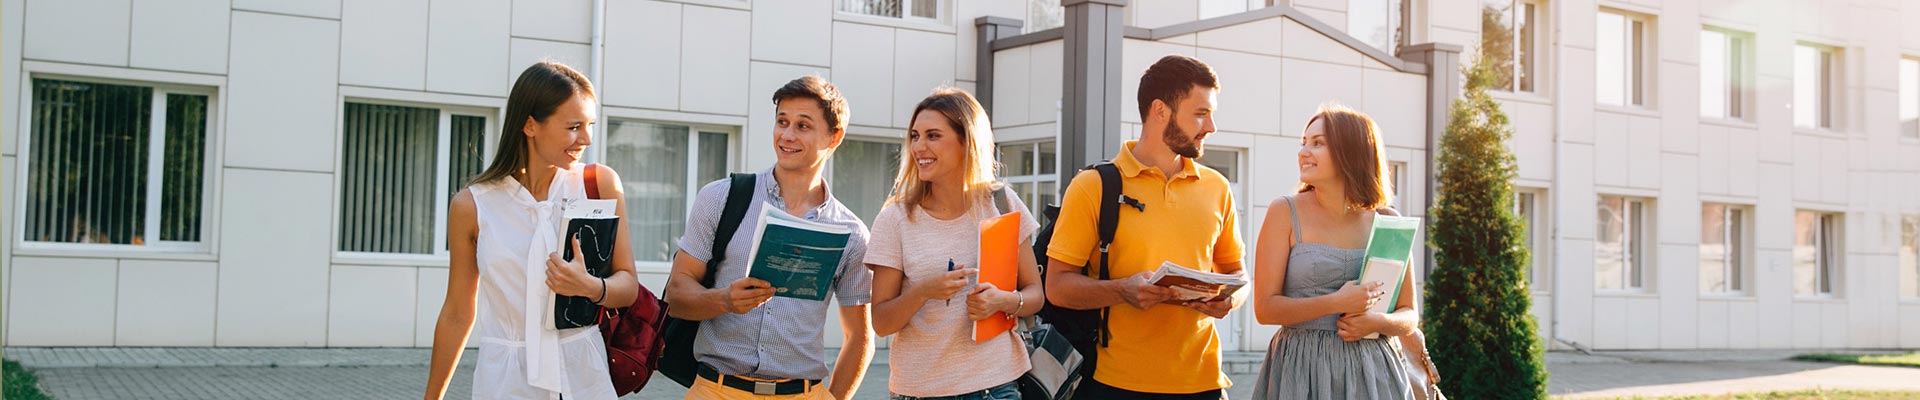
(1007, 391)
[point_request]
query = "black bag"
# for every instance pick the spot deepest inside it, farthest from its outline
(1086, 330)
(677, 362)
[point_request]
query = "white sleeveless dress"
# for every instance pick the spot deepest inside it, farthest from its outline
(521, 356)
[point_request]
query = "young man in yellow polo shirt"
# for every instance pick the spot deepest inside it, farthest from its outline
(1159, 348)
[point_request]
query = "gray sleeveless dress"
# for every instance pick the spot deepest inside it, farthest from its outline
(1308, 360)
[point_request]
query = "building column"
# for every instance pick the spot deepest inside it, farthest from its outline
(1090, 114)
(988, 29)
(1443, 85)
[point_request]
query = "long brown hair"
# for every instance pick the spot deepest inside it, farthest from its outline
(536, 94)
(1353, 141)
(975, 132)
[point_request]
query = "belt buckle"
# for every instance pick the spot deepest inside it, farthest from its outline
(764, 388)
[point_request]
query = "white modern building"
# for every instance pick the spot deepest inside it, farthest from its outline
(1696, 174)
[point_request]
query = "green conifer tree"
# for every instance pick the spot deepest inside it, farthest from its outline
(1480, 331)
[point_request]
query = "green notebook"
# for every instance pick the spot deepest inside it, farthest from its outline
(799, 257)
(1389, 252)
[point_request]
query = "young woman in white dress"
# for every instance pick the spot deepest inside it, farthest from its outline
(503, 234)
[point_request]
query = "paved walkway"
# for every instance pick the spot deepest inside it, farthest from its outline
(202, 373)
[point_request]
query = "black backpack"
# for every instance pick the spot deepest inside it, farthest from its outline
(1085, 329)
(677, 361)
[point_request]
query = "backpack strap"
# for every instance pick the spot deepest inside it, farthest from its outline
(1108, 224)
(590, 176)
(1001, 204)
(739, 196)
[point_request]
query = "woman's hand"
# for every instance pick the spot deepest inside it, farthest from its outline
(987, 299)
(1355, 299)
(570, 278)
(1357, 326)
(943, 286)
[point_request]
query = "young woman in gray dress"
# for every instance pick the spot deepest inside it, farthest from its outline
(1311, 251)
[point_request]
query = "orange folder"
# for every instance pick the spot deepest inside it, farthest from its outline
(999, 265)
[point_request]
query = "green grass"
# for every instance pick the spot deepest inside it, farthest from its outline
(1899, 360)
(1816, 394)
(20, 384)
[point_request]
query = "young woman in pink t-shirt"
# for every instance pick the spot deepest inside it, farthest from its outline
(924, 253)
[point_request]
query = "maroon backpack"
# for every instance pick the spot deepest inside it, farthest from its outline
(632, 333)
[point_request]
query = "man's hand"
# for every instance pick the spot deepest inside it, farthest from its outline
(1215, 309)
(746, 294)
(1142, 294)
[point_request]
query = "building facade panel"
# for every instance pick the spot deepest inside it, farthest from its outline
(165, 303)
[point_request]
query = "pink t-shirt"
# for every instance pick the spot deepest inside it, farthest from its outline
(935, 354)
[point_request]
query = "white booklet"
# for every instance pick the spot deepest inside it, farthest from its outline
(1190, 284)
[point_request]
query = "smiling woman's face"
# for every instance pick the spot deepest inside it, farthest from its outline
(936, 147)
(563, 138)
(1315, 157)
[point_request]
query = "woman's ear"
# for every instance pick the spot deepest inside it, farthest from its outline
(530, 127)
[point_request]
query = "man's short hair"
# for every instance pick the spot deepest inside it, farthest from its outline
(812, 87)
(1169, 80)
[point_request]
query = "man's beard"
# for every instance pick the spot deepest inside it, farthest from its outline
(1180, 142)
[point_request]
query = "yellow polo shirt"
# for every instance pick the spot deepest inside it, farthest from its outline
(1188, 220)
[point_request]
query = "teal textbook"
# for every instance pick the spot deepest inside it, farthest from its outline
(1389, 252)
(799, 257)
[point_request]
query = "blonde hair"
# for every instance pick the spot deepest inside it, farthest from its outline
(971, 126)
(1360, 159)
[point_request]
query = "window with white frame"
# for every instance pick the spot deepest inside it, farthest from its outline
(1044, 14)
(1377, 23)
(1510, 34)
(862, 174)
(1527, 204)
(399, 165)
(1622, 56)
(1032, 169)
(662, 165)
(1227, 161)
(1816, 71)
(1397, 173)
(1623, 249)
(1910, 256)
(117, 164)
(1910, 98)
(1817, 253)
(1726, 73)
(1725, 237)
(905, 9)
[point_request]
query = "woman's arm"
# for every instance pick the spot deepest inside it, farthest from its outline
(1404, 319)
(456, 314)
(623, 287)
(1270, 305)
(1032, 294)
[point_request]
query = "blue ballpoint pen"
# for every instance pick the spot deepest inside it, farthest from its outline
(949, 269)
